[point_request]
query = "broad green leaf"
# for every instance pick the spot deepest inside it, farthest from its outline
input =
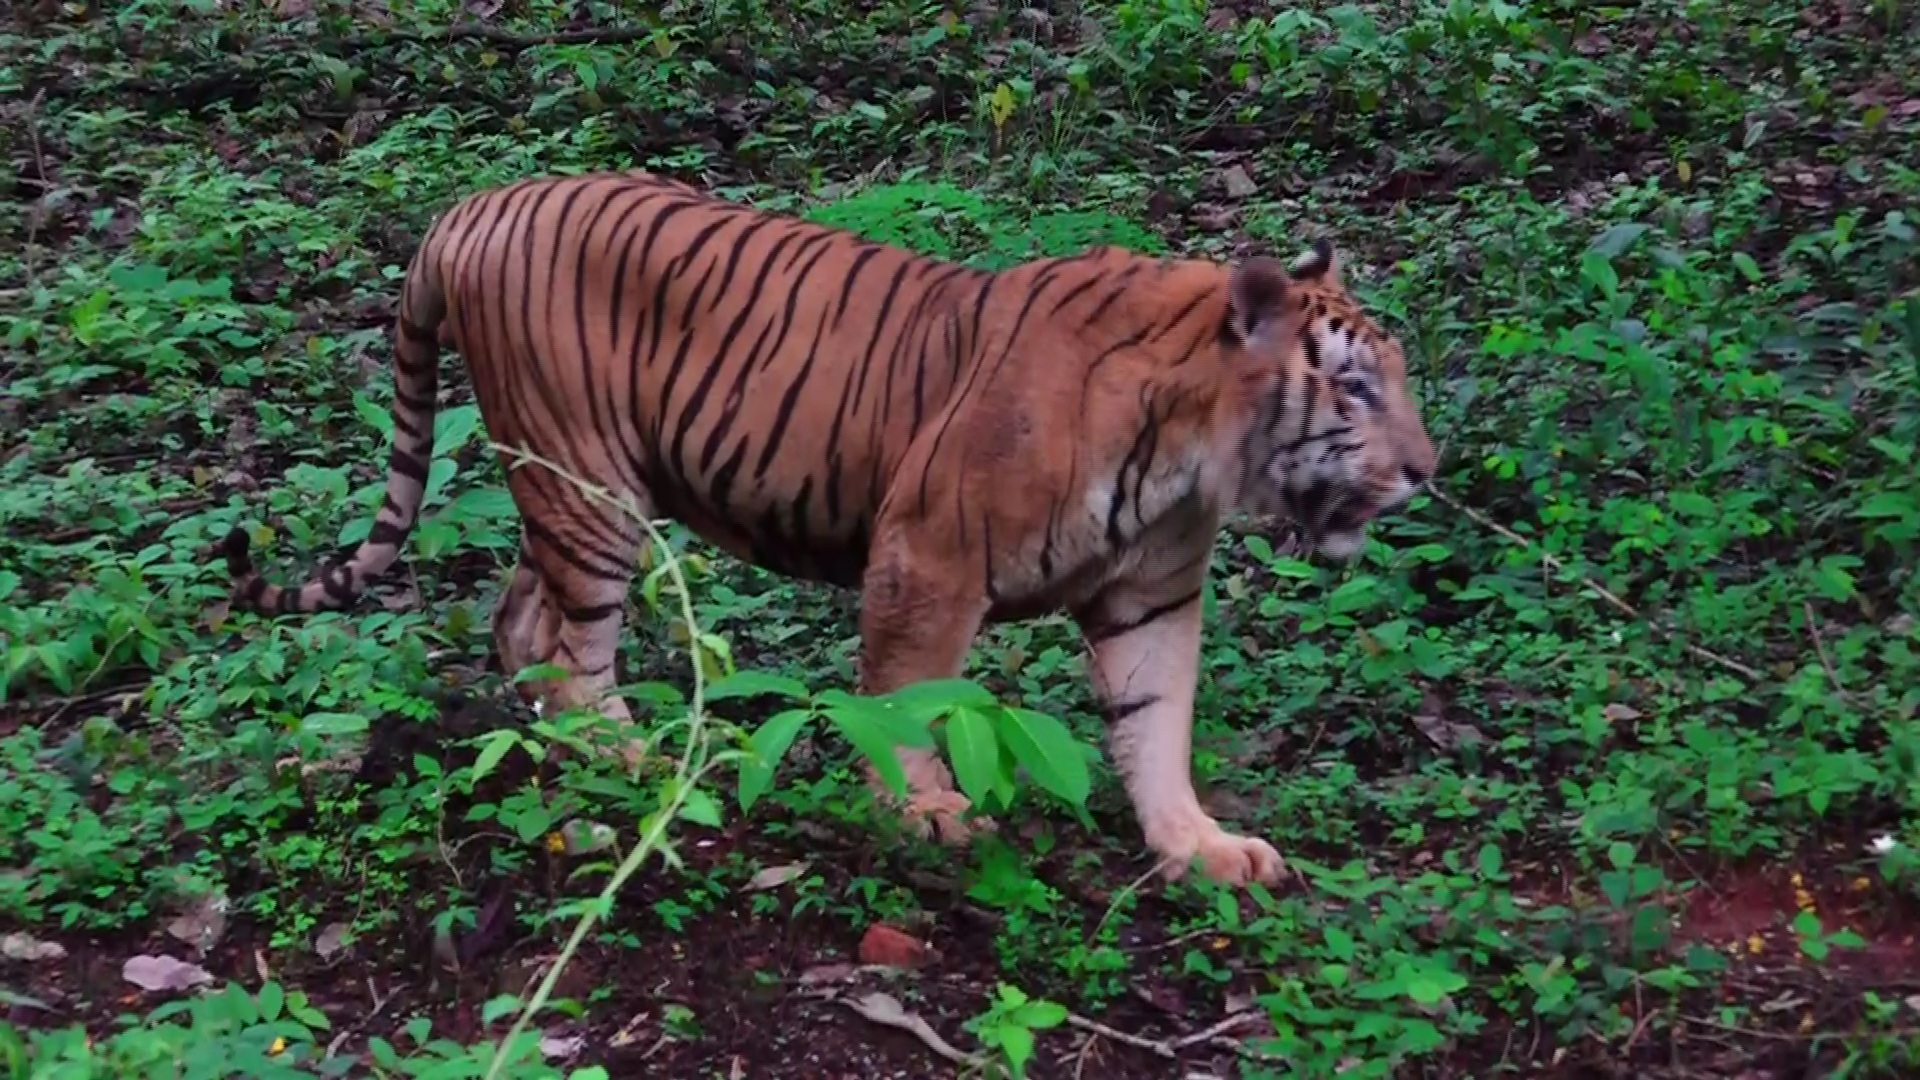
(699, 808)
(1048, 751)
(333, 723)
(904, 723)
(453, 427)
(975, 753)
(751, 683)
(868, 733)
(769, 744)
(493, 747)
(1353, 595)
(924, 701)
(272, 997)
(1617, 239)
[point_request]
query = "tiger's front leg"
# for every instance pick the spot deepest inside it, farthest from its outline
(918, 617)
(1145, 640)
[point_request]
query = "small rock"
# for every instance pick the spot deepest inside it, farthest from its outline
(1238, 184)
(885, 946)
(18, 946)
(557, 1048)
(332, 939)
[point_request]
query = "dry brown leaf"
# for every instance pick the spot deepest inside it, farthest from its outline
(773, 877)
(156, 974)
(203, 923)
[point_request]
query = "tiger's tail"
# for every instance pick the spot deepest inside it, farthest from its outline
(416, 378)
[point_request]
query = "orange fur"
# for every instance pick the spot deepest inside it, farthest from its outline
(964, 446)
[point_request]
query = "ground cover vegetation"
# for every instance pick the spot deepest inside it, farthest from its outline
(1602, 760)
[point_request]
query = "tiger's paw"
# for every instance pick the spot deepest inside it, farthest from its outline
(1225, 857)
(942, 814)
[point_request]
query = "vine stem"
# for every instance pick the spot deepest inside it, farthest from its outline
(691, 768)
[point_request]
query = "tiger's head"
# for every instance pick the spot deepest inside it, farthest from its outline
(1335, 439)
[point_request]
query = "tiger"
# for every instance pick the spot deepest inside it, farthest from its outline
(963, 446)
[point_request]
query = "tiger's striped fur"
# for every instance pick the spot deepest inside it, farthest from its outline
(965, 446)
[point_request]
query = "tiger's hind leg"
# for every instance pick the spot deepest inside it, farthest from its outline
(526, 628)
(567, 601)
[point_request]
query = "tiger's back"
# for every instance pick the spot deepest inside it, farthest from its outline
(758, 376)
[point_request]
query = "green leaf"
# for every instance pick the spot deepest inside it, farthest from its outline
(1616, 240)
(1888, 504)
(769, 744)
(493, 747)
(272, 997)
(453, 427)
(904, 723)
(1353, 595)
(699, 808)
(927, 700)
(1017, 1044)
(1429, 984)
(750, 683)
(329, 724)
(1490, 861)
(1048, 751)
(1340, 943)
(867, 730)
(975, 753)
(1041, 1014)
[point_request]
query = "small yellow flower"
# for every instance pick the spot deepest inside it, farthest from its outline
(1222, 942)
(279, 1045)
(556, 843)
(1756, 944)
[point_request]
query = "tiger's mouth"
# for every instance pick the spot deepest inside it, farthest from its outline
(1340, 530)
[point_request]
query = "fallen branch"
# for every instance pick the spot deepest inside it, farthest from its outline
(1555, 564)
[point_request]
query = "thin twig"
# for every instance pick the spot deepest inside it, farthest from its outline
(1548, 560)
(379, 1006)
(1820, 650)
(40, 171)
(1153, 1046)
(1167, 1048)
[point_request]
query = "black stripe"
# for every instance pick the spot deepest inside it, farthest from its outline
(407, 465)
(1105, 632)
(591, 613)
(1120, 710)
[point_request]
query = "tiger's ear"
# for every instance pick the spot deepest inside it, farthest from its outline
(1318, 261)
(1256, 299)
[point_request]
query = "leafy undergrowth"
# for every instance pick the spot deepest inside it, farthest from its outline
(1602, 761)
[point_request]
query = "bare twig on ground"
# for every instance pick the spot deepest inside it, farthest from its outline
(1820, 650)
(380, 1004)
(1170, 1048)
(1553, 563)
